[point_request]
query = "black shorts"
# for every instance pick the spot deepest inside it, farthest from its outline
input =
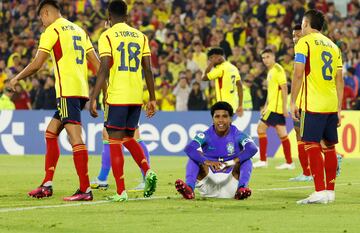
(317, 126)
(273, 118)
(122, 117)
(69, 109)
(297, 123)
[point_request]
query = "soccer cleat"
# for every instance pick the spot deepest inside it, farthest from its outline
(242, 193)
(139, 187)
(331, 195)
(260, 164)
(301, 177)
(284, 166)
(79, 196)
(41, 191)
(339, 160)
(98, 184)
(118, 198)
(315, 198)
(150, 183)
(184, 189)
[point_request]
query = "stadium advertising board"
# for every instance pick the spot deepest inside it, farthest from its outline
(22, 132)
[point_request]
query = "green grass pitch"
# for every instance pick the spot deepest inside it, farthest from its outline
(271, 208)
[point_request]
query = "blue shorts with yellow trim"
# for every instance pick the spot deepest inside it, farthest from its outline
(273, 118)
(318, 126)
(122, 117)
(297, 123)
(69, 109)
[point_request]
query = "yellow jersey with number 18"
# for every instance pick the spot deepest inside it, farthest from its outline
(226, 75)
(126, 46)
(67, 44)
(322, 59)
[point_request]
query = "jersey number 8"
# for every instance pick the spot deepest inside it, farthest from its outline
(327, 59)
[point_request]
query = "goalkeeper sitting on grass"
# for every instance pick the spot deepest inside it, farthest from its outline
(223, 168)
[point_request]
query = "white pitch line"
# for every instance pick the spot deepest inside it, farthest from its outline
(5, 210)
(302, 187)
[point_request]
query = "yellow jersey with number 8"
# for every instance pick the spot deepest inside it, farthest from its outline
(322, 59)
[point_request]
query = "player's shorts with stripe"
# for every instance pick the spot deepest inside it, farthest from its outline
(273, 118)
(69, 109)
(122, 117)
(318, 126)
(297, 123)
(219, 185)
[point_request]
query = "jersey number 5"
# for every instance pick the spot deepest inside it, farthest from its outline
(79, 48)
(327, 59)
(133, 50)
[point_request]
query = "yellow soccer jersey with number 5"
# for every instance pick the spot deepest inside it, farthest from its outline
(226, 75)
(67, 44)
(126, 46)
(322, 59)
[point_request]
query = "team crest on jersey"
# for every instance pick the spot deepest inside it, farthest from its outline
(230, 148)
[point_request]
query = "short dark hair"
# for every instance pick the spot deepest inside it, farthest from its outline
(53, 3)
(316, 19)
(216, 50)
(297, 27)
(117, 8)
(267, 50)
(221, 105)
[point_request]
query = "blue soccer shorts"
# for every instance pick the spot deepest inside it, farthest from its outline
(69, 109)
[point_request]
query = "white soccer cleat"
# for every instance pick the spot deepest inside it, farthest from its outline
(315, 198)
(288, 166)
(260, 164)
(331, 195)
(301, 177)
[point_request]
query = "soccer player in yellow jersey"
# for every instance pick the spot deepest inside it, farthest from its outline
(275, 111)
(228, 86)
(70, 49)
(124, 56)
(319, 60)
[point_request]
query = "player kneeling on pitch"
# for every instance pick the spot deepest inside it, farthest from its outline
(224, 167)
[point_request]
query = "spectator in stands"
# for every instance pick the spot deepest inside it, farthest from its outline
(21, 98)
(5, 100)
(181, 92)
(197, 100)
(166, 100)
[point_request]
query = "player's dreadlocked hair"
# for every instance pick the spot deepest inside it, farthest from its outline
(216, 50)
(221, 105)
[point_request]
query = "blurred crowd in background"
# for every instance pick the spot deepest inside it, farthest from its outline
(179, 32)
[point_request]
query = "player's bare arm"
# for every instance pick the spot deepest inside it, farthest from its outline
(340, 92)
(102, 76)
(240, 110)
(299, 69)
(284, 91)
(93, 58)
(151, 105)
(214, 164)
(30, 69)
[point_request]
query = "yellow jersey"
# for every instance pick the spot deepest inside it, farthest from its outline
(322, 59)
(67, 44)
(275, 78)
(226, 75)
(126, 46)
